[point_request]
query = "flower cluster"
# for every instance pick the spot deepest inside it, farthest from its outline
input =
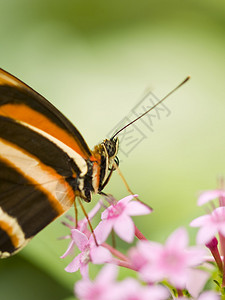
(212, 225)
(173, 270)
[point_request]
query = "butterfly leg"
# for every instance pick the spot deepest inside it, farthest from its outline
(89, 222)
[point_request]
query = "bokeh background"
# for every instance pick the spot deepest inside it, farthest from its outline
(94, 60)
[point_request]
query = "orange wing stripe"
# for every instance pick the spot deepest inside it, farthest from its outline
(21, 112)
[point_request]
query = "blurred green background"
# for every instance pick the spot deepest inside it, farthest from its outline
(94, 60)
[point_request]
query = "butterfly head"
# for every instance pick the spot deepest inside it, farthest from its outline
(111, 148)
(107, 151)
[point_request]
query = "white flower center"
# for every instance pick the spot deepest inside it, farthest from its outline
(85, 258)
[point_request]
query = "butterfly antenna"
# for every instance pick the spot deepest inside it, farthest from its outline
(171, 92)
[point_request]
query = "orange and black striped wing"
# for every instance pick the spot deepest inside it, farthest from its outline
(34, 185)
(20, 102)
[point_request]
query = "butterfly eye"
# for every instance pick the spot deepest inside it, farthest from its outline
(111, 147)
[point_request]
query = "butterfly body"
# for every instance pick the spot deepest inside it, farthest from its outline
(44, 164)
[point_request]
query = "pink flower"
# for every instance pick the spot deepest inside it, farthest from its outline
(105, 287)
(89, 253)
(211, 195)
(131, 289)
(82, 224)
(82, 227)
(171, 261)
(117, 217)
(102, 288)
(138, 257)
(210, 225)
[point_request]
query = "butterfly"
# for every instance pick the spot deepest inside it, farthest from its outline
(45, 164)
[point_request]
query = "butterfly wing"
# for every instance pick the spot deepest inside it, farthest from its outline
(34, 189)
(20, 102)
(41, 156)
(25, 208)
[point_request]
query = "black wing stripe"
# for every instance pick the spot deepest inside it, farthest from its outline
(25, 202)
(35, 144)
(6, 244)
(25, 95)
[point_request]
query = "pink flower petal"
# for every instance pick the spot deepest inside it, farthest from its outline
(221, 229)
(131, 289)
(196, 281)
(74, 265)
(127, 199)
(138, 260)
(124, 228)
(219, 212)
(178, 239)
(105, 213)
(135, 208)
(82, 288)
(100, 255)
(84, 271)
(151, 273)
(79, 238)
(102, 288)
(69, 250)
(209, 295)
(82, 226)
(103, 230)
(196, 255)
(210, 195)
(107, 274)
(157, 292)
(200, 221)
(178, 280)
(149, 249)
(206, 234)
